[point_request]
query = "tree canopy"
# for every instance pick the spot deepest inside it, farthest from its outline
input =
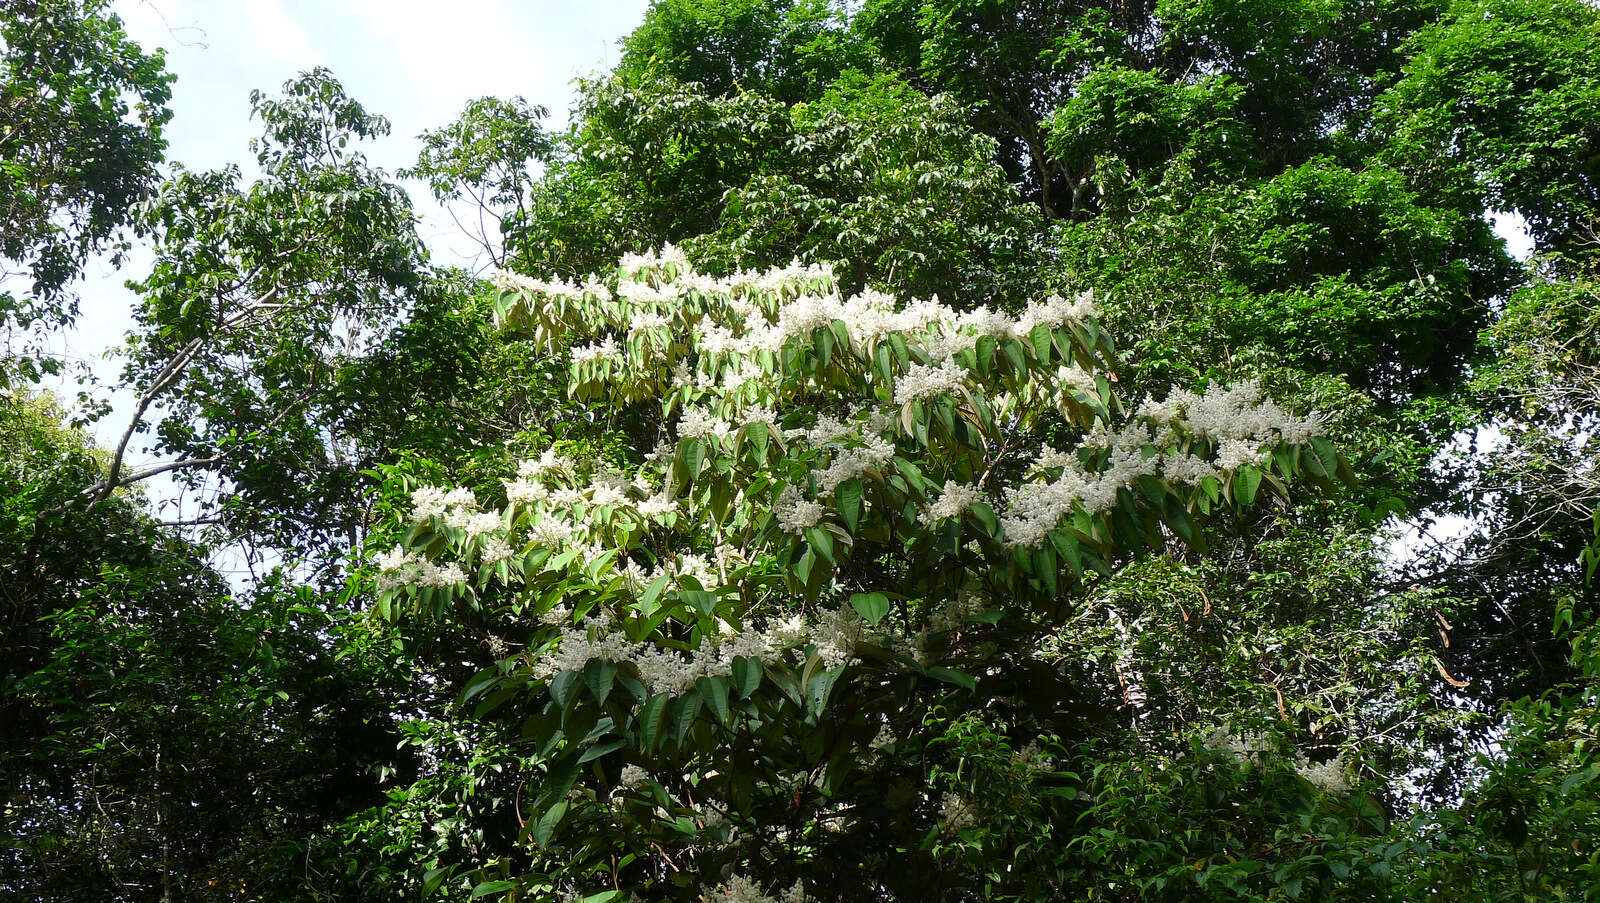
(896, 450)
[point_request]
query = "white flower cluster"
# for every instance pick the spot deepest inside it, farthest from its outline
(435, 501)
(922, 381)
(957, 813)
(731, 320)
(558, 524)
(1237, 413)
(1240, 745)
(633, 263)
(1244, 426)
(795, 512)
(743, 890)
(705, 571)
(401, 568)
(953, 500)
(458, 508)
(632, 777)
(834, 638)
(1328, 777)
(510, 281)
(698, 423)
(851, 454)
(606, 348)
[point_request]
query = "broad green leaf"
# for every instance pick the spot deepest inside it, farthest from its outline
(653, 721)
(497, 887)
(950, 675)
(563, 686)
(714, 691)
(746, 675)
(871, 606)
(848, 496)
(599, 673)
(1245, 482)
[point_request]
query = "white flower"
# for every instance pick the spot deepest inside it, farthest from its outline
(520, 490)
(632, 777)
(1055, 311)
(397, 568)
(1239, 745)
(583, 354)
(548, 462)
(495, 550)
(956, 813)
(922, 381)
(1187, 469)
(426, 502)
(836, 636)
(473, 524)
(984, 321)
(1235, 454)
(848, 463)
(1079, 379)
(657, 506)
(698, 422)
(956, 498)
(396, 559)
(828, 429)
(646, 319)
(743, 890)
(795, 512)
(790, 631)
(435, 576)
(801, 316)
(944, 346)
(1328, 777)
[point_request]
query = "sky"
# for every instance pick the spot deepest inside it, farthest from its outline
(415, 62)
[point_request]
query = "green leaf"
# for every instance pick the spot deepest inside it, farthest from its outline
(685, 710)
(604, 749)
(1067, 544)
(1245, 482)
(821, 543)
(599, 674)
(952, 676)
(481, 681)
(652, 593)
(871, 606)
(691, 456)
(545, 828)
(496, 887)
(818, 688)
(699, 600)
(563, 686)
(653, 721)
(714, 690)
(848, 496)
(432, 878)
(746, 675)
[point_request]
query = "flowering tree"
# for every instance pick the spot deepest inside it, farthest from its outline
(745, 658)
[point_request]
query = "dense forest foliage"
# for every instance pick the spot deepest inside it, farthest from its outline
(894, 450)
